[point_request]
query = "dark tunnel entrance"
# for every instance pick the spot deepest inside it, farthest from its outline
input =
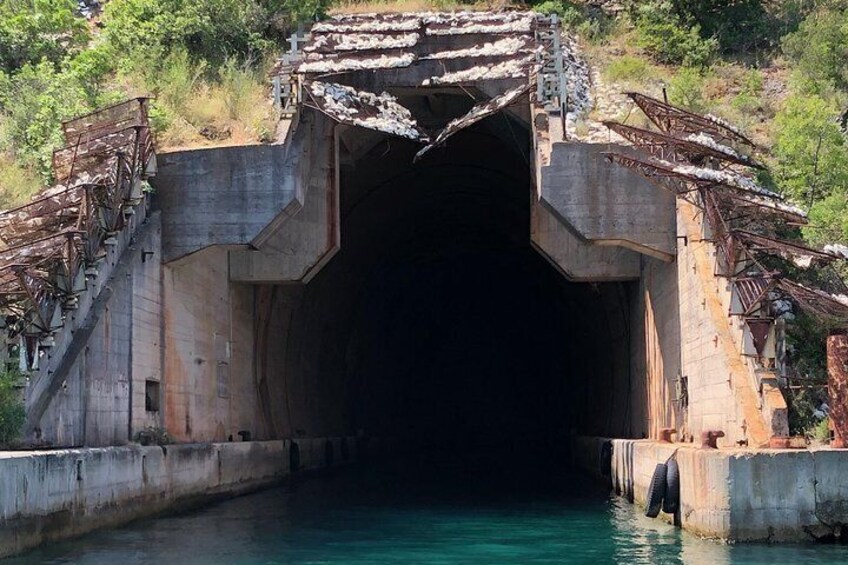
(437, 322)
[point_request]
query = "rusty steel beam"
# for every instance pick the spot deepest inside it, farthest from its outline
(837, 386)
(674, 120)
(673, 148)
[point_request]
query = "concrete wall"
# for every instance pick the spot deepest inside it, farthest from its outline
(304, 243)
(725, 389)
(655, 352)
(737, 495)
(53, 495)
(210, 392)
(89, 389)
(238, 195)
(607, 204)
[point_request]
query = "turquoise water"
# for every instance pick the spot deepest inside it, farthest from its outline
(420, 513)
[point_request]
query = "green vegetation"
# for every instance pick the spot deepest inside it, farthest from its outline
(12, 415)
(204, 60)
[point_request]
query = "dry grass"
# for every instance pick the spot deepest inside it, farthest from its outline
(17, 184)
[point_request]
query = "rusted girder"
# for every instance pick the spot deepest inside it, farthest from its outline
(837, 386)
(674, 120)
(692, 149)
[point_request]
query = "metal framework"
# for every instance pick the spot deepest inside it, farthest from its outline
(691, 157)
(55, 240)
(677, 121)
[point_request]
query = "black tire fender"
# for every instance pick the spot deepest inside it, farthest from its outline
(656, 491)
(294, 457)
(671, 502)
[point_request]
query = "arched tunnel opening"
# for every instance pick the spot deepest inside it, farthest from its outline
(437, 324)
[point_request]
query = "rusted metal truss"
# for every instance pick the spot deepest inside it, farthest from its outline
(830, 307)
(53, 240)
(689, 157)
(751, 291)
(692, 149)
(677, 121)
(801, 255)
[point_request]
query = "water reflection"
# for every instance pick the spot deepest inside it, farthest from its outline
(428, 513)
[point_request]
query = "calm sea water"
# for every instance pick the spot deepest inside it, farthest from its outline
(424, 512)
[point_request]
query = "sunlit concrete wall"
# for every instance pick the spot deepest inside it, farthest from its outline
(736, 494)
(51, 495)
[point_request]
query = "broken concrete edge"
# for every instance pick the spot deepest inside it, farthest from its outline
(735, 495)
(97, 488)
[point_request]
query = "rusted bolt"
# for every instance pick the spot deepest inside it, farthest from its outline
(665, 434)
(709, 437)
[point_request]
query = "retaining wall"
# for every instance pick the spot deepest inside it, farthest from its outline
(52, 495)
(735, 494)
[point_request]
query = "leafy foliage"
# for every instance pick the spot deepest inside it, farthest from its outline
(34, 30)
(209, 30)
(819, 49)
(811, 151)
(671, 39)
(12, 413)
(35, 101)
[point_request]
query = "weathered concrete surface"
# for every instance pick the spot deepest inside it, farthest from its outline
(52, 495)
(655, 396)
(577, 259)
(726, 391)
(89, 389)
(210, 393)
(607, 205)
(298, 249)
(238, 195)
(734, 494)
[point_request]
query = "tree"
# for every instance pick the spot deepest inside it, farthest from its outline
(819, 49)
(32, 30)
(811, 150)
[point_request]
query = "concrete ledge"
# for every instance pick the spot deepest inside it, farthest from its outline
(736, 495)
(52, 495)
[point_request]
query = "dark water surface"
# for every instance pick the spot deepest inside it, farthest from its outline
(469, 512)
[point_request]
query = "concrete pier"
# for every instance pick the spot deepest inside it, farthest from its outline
(736, 495)
(53, 495)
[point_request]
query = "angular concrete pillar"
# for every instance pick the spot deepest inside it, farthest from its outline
(837, 386)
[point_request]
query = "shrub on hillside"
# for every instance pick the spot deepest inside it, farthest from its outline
(819, 49)
(627, 68)
(670, 39)
(35, 100)
(36, 30)
(810, 148)
(12, 413)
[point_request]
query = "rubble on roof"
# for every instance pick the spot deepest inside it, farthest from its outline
(335, 42)
(357, 64)
(380, 112)
(506, 46)
(495, 71)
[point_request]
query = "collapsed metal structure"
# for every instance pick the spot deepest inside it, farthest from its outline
(54, 244)
(342, 65)
(701, 159)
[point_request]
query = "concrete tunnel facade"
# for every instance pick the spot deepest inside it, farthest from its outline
(434, 320)
(509, 282)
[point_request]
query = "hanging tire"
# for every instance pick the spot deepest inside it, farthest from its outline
(605, 459)
(656, 492)
(294, 457)
(671, 502)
